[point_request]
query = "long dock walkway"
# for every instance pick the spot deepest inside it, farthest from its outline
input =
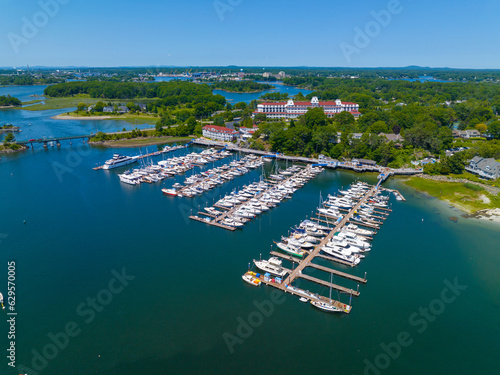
(217, 221)
(308, 260)
(338, 273)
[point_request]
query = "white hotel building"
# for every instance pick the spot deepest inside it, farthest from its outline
(219, 133)
(292, 110)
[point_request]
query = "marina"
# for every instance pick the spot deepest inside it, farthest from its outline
(217, 176)
(115, 162)
(237, 208)
(341, 243)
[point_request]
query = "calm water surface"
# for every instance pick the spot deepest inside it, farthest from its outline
(187, 293)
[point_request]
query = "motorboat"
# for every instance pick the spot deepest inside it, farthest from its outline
(290, 249)
(119, 161)
(172, 192)
(336, 252)
(250, 278)
(273, 266)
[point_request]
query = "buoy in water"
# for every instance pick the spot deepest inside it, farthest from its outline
(24, 221)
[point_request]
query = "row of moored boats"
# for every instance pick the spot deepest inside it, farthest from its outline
(259, 197)
(171, 167)
(211, 178)
(347, 246)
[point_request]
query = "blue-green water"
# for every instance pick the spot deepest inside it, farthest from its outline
(234, 97)
(248, 97)
(187, 296)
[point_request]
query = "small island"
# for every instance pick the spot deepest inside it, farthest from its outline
(9, 128)
(9, 102)
(9, 145)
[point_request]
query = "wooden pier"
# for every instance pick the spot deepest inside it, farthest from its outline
(211, 222)
(329, 285)
(229, 211)
(307, 261)
(338, 273)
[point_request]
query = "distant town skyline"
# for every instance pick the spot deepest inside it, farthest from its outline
(387, 33)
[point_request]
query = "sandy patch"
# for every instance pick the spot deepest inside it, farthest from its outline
(66, 117)
(485, 199)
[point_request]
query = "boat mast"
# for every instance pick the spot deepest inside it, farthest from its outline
(331, 282)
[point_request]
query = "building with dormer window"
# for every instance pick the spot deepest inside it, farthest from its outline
(292, 110)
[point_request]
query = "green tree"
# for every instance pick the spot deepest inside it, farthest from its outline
(494, 129)
(481, 128)
(81, 107)
(247, 123)
(345, 119)
(9, 138)
(313, 118)
(99, 106)
(259, 117)
(378, 127)
(219, 120)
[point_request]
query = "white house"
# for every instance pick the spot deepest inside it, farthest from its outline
(488, 168)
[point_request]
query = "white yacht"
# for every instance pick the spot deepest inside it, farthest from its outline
(273, 266)
(355, 229)
(130, 178)
(119, 161)
(336, 252)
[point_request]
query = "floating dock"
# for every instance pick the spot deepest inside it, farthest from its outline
(216, 221)
(307, 261)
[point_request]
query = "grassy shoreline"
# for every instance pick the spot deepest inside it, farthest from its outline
(140, 142)
(466, 197)
(132, 118)
(72, 102)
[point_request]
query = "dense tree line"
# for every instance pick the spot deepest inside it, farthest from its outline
(8, 101)
(27, 80)
(128, 90)
(241, 86)
(279, 96)
(374, 93)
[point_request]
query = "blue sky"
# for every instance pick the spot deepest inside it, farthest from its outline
(250, 33)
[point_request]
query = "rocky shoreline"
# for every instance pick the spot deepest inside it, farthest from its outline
(490, 189)
(492, 214)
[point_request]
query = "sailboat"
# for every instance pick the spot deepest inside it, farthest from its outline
(1, 301)
(325, 306)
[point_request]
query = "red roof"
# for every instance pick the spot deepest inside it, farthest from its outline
(219, 129)
(355, 112)
(306, 104)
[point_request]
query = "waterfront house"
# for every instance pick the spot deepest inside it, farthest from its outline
(472, 133)
(108, 109)
(122, 109)
(487, 168)
(366, 162)
(424, 161)
(466, 134)
(292, 110)
(396, 138)
(219, 133)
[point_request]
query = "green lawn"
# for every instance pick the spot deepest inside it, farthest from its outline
(141, 142)
(61, 103)
(468, 197)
